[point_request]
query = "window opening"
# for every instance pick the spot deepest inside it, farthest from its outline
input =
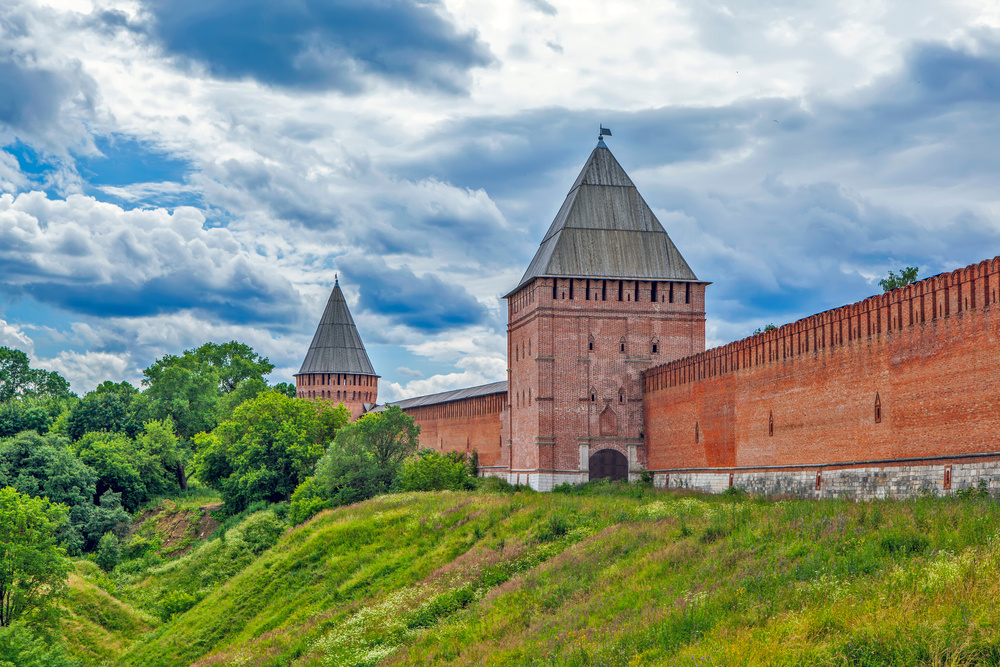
(878, 409)
(687, 292)
(656, 348)
(652, 291)
(947, 478)
(770, 424)
(604, 290)
(555, 288)
(671, 295)
(621, 345)
(696, 434)
(571, 281)
(588, 289)
(621, 289)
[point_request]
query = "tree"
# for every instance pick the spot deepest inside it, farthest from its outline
(115, 458)
(44, 466)
(33, 568)
(363, 461)
(107, 408)
(18, 379)
(234, 362)
(906, 277)
(268, 448)
(161, 454)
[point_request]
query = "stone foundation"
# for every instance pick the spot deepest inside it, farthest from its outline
(854, 482)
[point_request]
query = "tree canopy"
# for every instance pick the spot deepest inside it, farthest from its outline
(905, 277)
(268, 447)
(19, 380)
(33, 568)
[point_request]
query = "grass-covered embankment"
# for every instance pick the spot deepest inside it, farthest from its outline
(605, 576)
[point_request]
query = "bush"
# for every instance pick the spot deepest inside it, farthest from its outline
(430, 470)
(176, 602)
(109, 552)
(261, 532)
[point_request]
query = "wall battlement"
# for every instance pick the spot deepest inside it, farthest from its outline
(974, 287)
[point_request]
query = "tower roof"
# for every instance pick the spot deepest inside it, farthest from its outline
(337, 347)
(605, 229)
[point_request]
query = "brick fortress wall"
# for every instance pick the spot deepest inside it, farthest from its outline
(576, 349)
(465, 425)
(896, 388)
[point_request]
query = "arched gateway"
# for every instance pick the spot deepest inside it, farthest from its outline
(608, 464)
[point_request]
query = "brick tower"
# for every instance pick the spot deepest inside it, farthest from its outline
(606, 296)
(336, 367)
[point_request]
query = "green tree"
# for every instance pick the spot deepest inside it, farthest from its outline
(115, 458)
(363, 461)
(18, 379)
(160, 456)
(33, 568)
(104, 409)
(45, 466)
(234, 362)
(244, 391)
(269, 447)
(285, 388)
(109, 552)
(906, 277)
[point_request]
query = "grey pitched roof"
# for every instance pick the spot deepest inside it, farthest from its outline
(337, 347)
(605, 229)
(456, 395)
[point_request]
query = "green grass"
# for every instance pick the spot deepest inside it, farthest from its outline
(604, 575)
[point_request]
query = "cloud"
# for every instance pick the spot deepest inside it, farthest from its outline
(99, 259)
(542, 6)
(322, 44)
(11, 336)
(422, 302)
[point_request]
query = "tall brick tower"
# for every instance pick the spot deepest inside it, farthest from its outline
(336, 367)
(606, 296)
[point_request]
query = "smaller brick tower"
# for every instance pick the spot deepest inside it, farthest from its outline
(336, 367)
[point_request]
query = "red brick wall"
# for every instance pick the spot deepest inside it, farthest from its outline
(466, 425)
(559, 386)
(929, 352)
(348, 388)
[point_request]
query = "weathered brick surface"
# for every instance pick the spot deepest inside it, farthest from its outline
(466, 425)
(348, 388)
(928, 352)
(573, 389)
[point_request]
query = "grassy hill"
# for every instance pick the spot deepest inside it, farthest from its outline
(607, 575)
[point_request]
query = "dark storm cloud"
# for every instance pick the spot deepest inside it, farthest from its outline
(322, 44)
(245, 299)
(422, 302)
(98, 259)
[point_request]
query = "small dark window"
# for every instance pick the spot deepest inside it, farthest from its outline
(621, 288)
(878, 409)
(571, 281)
(588, 289)
(652, 291)
(947, 478)
(819, 479)
(593, 397)
(770, 423)
(590, 345)
(555, 288)
(696, 432)
(656, 348)
(623, 347)
(687, 292)
(671, 292)
(621, 398)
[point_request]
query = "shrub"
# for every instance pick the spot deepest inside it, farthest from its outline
(430, 470)
(109, 552)
(176, 602)
(261, 531)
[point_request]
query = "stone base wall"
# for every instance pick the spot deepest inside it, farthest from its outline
(546, 481)
(855, 483)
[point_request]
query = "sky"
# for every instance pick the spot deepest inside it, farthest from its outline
(176, 172)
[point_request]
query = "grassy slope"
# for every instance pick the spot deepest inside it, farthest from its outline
(465, 578)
